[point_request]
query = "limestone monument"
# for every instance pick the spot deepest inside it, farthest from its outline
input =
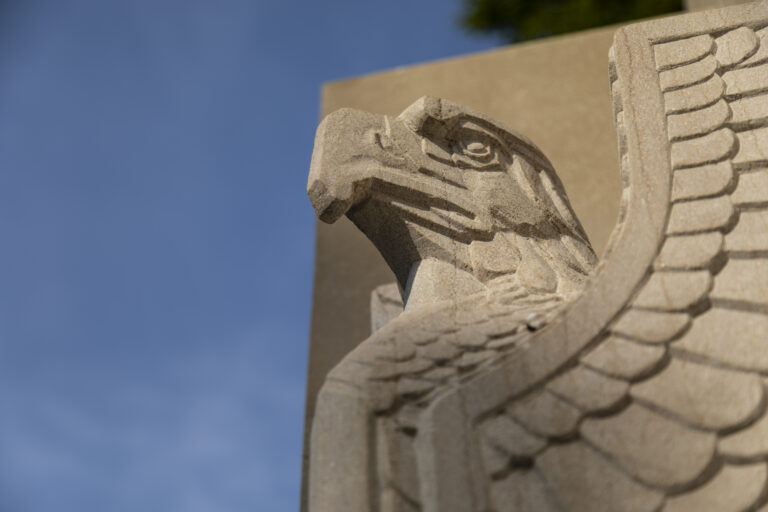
(523, 374)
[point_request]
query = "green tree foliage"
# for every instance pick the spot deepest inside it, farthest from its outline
(519, 20)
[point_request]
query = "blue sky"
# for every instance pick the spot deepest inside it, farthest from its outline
(157, 242)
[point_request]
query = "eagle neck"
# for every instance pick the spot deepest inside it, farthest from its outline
(432, 280)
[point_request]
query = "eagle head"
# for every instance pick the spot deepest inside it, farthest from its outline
(441, 182)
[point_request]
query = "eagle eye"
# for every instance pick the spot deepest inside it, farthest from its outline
(474, 147)
(477, 149)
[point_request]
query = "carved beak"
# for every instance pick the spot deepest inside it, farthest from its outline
(351, 149)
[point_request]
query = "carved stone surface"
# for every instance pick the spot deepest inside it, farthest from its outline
(386, 304)
(522, 375)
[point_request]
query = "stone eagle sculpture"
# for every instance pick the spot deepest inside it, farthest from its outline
(523, 375)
